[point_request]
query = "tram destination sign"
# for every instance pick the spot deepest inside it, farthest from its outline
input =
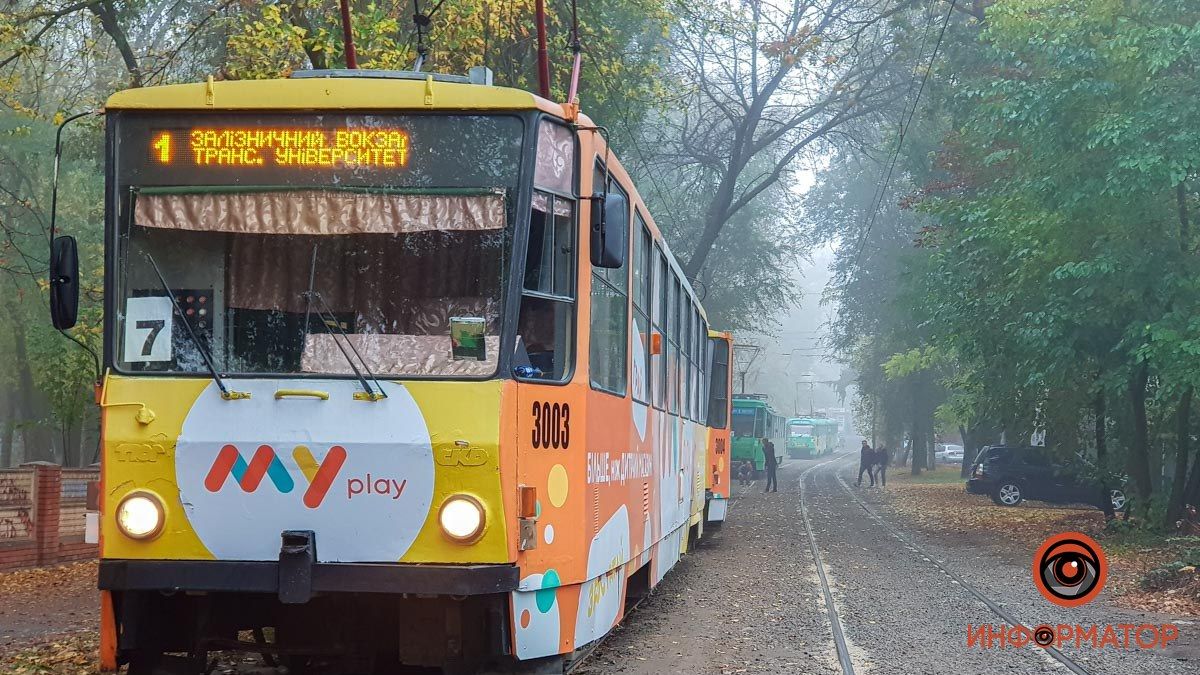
(282, 147)
(317, 149)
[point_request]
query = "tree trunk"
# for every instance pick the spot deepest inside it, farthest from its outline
(1183, 442)
(6, 428)
(968, 455)
(1102, 454)
(35, 438)
(1184, 224)
(917, 454)
(1139, 451)
(107, 13)
(1192, 494)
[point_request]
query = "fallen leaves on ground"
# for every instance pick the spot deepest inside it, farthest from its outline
(63, 655)
(945, 508)
(39, 580)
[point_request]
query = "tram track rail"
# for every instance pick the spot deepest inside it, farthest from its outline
(835, 622)
(979, 595)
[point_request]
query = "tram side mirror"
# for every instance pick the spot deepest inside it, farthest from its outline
(64, 282)
(610, 230)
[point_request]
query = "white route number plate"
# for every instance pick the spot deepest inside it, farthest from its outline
(148, 329)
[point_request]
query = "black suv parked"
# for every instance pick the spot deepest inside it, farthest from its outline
(1010, 475)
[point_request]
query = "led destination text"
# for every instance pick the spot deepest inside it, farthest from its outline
(304, 148)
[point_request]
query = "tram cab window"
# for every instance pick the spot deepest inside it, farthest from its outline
(745, 422)
(547, 318)
(546, 324)
(264, 296)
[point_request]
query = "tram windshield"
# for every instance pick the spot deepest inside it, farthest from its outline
(798, 430)
(746, 422)
(315, 244)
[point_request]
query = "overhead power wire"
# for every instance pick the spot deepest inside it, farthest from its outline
(905, 124)
(930, 20)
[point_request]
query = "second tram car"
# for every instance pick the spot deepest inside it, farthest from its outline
(812, 437)
(720, 346)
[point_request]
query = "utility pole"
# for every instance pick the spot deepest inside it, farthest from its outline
(744, 355)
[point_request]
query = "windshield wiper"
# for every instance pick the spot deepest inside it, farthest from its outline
(327, 317)
(226, 393)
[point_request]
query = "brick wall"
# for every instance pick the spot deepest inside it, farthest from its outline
(39, 507)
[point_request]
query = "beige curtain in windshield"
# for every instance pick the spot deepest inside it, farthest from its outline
(319, 212)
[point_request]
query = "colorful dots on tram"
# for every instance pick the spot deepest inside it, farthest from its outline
(524, 618)
(556, 486)
(548, 534)
(545, 596)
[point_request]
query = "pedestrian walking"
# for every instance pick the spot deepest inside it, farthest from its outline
(882, 459)
(769, 463)
(866, 462)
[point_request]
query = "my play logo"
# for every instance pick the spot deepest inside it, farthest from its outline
(266, 464)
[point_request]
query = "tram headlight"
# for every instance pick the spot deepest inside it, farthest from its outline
(461, 518)
(140, 515)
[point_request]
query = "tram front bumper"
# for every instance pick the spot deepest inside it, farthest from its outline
(263, 577)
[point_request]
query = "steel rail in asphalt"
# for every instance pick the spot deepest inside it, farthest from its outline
(1054, 653)
(835, 623)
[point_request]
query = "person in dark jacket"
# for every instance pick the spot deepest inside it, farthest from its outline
(866, 462)
(882, 459)
(769, 465)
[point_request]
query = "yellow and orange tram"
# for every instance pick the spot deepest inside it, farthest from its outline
(398, 370)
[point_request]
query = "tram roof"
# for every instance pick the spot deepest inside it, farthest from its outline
(330, 93)
(815, 421)
(750, 403)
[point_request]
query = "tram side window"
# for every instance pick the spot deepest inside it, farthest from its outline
(610, 318)
(718, 403)
(671, 345)
(694, 346)
(701, 370)
(642, 288)
(684, 357)
(677, 345)
(659, 361)
(694, 372)
(544, 328)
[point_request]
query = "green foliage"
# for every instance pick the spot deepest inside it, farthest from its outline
(1057, 260)
(623, 40)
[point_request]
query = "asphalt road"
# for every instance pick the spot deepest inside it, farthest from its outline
(749, 599)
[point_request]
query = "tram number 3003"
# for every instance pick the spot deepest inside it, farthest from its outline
(551, 425)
